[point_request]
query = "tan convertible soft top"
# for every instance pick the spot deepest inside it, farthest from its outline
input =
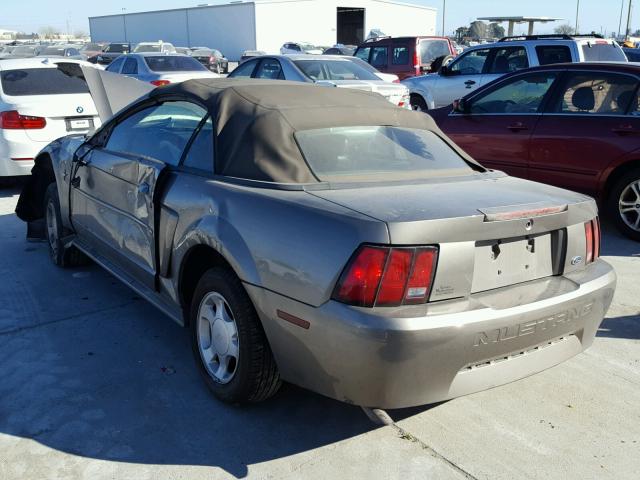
(256, 120)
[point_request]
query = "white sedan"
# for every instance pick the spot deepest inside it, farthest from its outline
(325, 70)
(41, 99)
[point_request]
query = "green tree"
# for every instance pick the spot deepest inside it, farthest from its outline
(496, 30)
(564, 29)
(478, 30)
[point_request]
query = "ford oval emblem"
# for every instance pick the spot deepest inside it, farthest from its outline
(576, 260)
(79, 109)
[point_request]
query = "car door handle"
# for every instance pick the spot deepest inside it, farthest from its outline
(517, 127)
(625, 130)
(470, 83)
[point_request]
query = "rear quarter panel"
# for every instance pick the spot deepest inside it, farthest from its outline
(289, 242)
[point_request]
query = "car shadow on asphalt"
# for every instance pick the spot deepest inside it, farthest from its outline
(627, 327)
(11, 186)
(615, 244)
(92, 370)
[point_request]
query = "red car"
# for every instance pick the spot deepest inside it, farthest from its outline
(576, 126)
(406, 56)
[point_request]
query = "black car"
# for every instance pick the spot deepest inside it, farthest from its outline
(110, 53)
(213, 59)
(633, 54)
(347, 50)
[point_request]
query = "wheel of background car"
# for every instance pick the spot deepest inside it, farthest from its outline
(441, 61)
(60, 256)
(624, 204)
(228, 342)
(418, 104)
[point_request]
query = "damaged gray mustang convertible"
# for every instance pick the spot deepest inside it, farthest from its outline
(325, 238)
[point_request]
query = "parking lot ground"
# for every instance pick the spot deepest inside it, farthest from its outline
(95, 383)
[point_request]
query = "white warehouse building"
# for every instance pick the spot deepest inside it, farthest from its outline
(267, 24)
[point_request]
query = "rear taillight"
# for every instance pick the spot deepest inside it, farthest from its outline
(416, 61)
(12, 120)
(387, 276)
(405, 101)
(160, 83)
(397, 80)
(592, 239)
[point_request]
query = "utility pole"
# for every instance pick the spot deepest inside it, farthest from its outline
(577, 17)
(620, 22)
(626, 32)
(124, 23)
(444, 12)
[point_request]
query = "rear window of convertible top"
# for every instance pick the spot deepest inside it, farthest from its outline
(378, 153)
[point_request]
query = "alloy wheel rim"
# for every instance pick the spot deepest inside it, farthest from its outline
(629, 205)
(52, 228)
(218, 340)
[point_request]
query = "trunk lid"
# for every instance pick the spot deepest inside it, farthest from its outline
(391, 91)
(492, 230)
(177, 77)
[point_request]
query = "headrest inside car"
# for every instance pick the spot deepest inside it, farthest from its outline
(584, 99)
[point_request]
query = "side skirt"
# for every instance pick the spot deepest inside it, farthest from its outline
(166, 307)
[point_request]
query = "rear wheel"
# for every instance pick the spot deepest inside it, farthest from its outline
(624, 204)
(60, 255)
(228, 342)
(418, 104)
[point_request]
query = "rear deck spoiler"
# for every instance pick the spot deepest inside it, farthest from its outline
(516, 212)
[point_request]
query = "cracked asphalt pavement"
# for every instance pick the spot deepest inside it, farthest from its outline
(95, 383)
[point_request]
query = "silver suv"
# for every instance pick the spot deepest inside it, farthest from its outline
(481, 64)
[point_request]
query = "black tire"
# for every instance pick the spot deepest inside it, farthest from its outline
(613, 203)
(256, 376)
(55, 231)
(418, 104)
(440, 61)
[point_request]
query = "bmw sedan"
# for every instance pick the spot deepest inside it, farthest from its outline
(40, 100)
(325, 238)
(324, 70)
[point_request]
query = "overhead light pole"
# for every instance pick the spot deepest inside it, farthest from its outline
(444, 12)
(620, 22)
(627, 31)
(124, 23)
(577, 17)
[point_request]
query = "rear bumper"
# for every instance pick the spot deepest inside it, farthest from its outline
(15, 145)
(394, 358)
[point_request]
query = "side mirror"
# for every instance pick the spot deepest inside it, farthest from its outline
(461, 106)
(444, 70)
